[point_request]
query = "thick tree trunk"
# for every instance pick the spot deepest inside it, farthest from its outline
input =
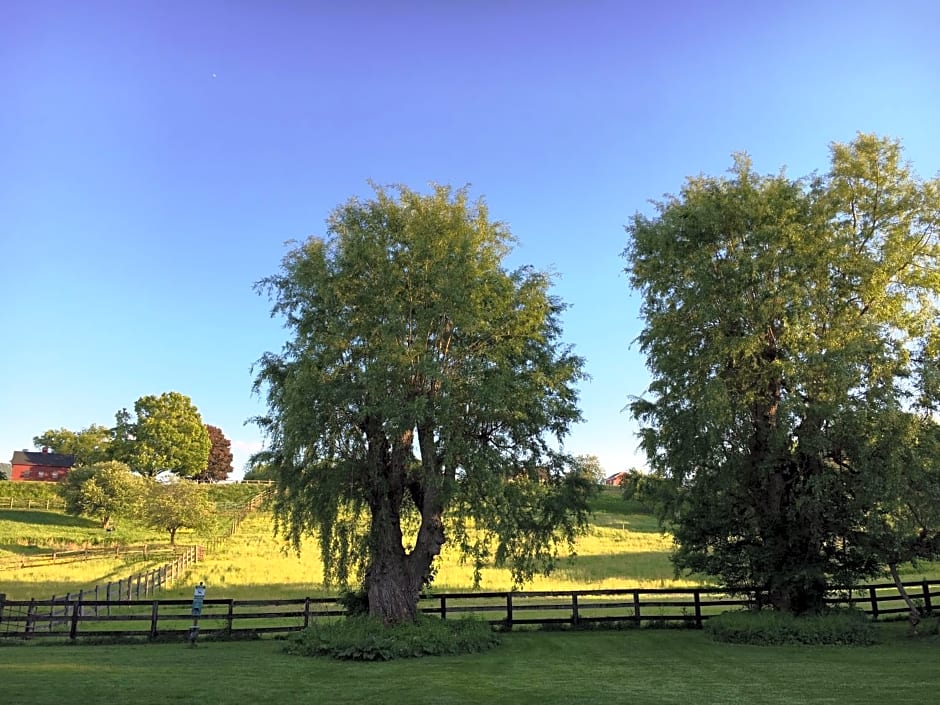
(395, 577)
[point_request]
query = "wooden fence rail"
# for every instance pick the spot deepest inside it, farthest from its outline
(78, 616)
(28, 503)
(53, 557)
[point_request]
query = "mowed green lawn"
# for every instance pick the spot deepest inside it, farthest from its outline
(544, 668)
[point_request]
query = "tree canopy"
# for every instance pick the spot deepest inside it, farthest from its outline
(423, 386)
(102, 490)
(166, 435)
(89, 446)
(219, 465)
(789, 325)
(177, 505)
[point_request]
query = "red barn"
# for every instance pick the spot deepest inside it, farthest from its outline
(46, 466)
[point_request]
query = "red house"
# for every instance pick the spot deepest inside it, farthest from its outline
(46, 466)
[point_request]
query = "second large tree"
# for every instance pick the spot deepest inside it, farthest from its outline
(788, 325)
(424, 386)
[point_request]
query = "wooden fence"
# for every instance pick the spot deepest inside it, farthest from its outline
(84, 617)
(97, 600)
(21, 503)
(54, 557)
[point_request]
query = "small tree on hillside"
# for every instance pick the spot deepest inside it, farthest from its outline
(589, 467)
(104, 490)
(219, 465)
(177, 505)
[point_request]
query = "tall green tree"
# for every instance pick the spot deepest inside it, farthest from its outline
(422, 386)
(89, 446)
(165, 434)
(219, 465)
(783, 319)
(102, 490)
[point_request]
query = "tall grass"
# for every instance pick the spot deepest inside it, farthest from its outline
(624, 547)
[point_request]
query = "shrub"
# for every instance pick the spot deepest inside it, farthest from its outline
(355, 602)
(771, 628)
(364, 638)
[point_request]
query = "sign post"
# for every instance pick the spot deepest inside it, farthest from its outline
(199, 594)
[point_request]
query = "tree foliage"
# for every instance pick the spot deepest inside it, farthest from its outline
(103, 490)
(590, 468)
(789, 325)
(167, 434)
(219, 465)
(177, 505)
(89, 446)
(423, 383)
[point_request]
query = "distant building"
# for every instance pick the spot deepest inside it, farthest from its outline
(45, 466)
(615, 479)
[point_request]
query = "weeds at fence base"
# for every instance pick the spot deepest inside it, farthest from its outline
(842, 627)
(367, 639)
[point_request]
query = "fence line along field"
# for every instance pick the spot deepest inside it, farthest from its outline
(229, 618)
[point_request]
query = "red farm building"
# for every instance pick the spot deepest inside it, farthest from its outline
(45, 466)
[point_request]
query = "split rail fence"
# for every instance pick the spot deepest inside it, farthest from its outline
(126, 617)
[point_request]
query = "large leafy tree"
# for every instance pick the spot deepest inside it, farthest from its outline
(89, 446)
(423, 385)
(785, 322)
(102, 490)
(166, 433)
(219, 465)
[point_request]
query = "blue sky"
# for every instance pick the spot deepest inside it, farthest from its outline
(155, 157)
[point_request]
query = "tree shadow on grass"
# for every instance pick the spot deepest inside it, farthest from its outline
(29, 516)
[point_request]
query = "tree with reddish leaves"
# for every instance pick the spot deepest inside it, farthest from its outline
(219, 465)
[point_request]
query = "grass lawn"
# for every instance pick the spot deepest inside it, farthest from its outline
(634, 666)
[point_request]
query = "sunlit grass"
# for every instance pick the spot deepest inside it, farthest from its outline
(623, 548)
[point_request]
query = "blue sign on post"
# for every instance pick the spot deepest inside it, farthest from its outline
(199, 594)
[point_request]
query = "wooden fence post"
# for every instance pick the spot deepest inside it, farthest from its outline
(30, 616)
(76, 613)
(927, 606)
(873, 596)
(306, 612)
(231, 616)
(575, 617)
(153, 619)
(443, 607)
(3, 599)
(636, 606)
(509, 611)
(698, 608)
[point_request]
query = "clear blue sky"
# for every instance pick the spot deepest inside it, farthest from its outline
(155, 156)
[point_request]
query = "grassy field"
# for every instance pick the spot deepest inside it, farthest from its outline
(624, 548)
(639, 667)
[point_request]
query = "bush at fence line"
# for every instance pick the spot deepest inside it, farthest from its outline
(844, 626)
(367, 639)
